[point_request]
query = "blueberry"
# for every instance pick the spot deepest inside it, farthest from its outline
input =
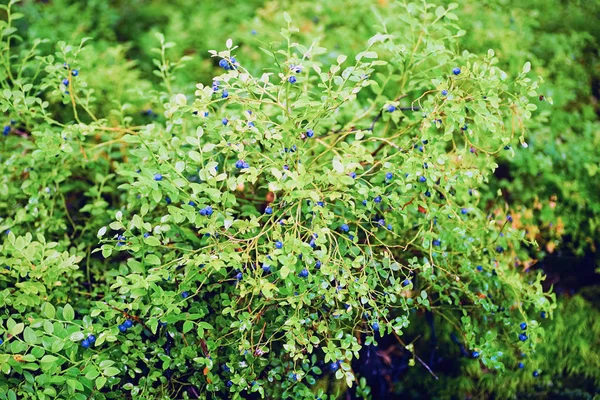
(391, 108)
(536, 373)
(85, 343)
(251, 124)
(521, 365)
(168, 200)
(479, 268)
(456, 71)
(422, 179)
(185, 295)
(377, 199)
(239, 164)
(303, 273)
(75, 72)
(351, 237)
(266, 268)
(191, 203)
(500, 249)
(464, 211)
(444, 92)
(353, 175)
(310, 133)
(375, 326)
(225, 95)
(292, 79)
(320, 203)
(239, 276)
(522, 337)
(334, 366)
(245, 164)
(543, 314)
(203, 212)
(268, 210)
(6, 130)
(428, 193)
(229, 384)
(465, 127)
(128, 323)
(209, 210)
(436, 242)
(1, 341)
(224, 121)
(389, 227)
(318, 264)
(389, 176)
(158, 177)
(91, 338)
(278, 244)
(233, 60)
(509, 218)
(364, 202)
(475, 354)
(123, 328)
(472, 150)
(523, 326)
(406, 282)
(345, 228)
(65, 82)
(223, 63)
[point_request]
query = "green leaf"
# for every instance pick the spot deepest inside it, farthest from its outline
(68, 312)
(100, 382)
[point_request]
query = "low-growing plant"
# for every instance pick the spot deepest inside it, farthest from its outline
(256, 233)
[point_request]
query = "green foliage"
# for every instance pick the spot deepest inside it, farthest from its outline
(242, 221)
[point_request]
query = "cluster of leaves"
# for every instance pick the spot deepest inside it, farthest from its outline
(200, 231)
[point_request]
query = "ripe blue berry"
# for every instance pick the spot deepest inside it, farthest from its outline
(464, 211)
(158, 177)
(122, 328)
(75, 72)
(6, 130)
(422, 179)
(364, 202)
(391, 108)
(225, 95)
(334, 366)
(320, 203)
(318, 264)
(436, 242)
(536, 374)
(91, 338)
(406, 282)
(389, 227)
(233, 60)
(475, 354)
(523, 326)
(85, 343)
(65, 82)
(266, 268)
(239, 276)
(303, 273)
(310, 133)
(465, 127)
(292, 79)
(500, 249)
(521, 365)
(522, 337)
(224, 121)
(444, 92)
(345, 228)
(128, 323)
(268, 210)
(1, 341)
(389, 176)
(278, 244)
(353, 175)
(509, 218)
(543, 314)
(428, 193)
(223, 63)
(375, 326)
(185, 295)
(456, 71)
(479, 268)
(377, 199)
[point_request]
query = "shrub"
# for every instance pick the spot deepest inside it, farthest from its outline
(253, 233)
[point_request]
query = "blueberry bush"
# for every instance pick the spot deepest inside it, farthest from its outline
(311, 200)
